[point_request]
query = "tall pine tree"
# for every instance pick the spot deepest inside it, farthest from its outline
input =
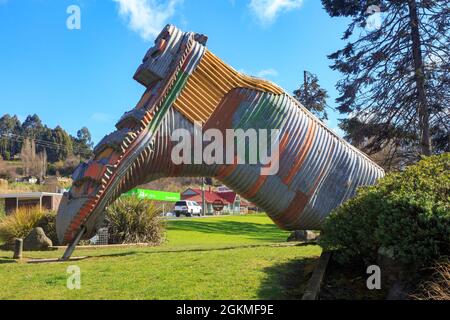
(312, 96)
(396, 76)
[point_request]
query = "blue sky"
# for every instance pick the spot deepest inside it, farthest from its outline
(77, 78)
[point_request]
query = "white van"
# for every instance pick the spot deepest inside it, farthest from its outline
(188, 208)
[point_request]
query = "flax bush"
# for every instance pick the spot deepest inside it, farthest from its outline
(20, 223)
(132, 220)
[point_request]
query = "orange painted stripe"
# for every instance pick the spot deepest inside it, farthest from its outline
(148, 117)
(257, 185)
(304, 150)
(222, 117)
(290, 215)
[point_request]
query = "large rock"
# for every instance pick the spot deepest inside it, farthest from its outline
(37, 241)
(302, 235)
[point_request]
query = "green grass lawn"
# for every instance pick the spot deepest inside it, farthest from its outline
(235, 257)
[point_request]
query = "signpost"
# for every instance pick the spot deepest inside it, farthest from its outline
(203, 197)
(218, 205)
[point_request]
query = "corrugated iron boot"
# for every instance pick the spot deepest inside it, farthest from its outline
(185, 83)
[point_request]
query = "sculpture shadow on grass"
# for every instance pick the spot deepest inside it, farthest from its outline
(116, 254)
(258, 231)
(6, 260)
(287, 281)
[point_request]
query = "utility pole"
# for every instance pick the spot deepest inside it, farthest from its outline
(203, 197)
(305, 83)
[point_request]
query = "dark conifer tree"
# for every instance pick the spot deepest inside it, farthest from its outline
(312, 96)
(396, 74)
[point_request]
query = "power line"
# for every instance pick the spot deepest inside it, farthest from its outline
(43, 143)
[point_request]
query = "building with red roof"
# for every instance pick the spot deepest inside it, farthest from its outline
(233, 203)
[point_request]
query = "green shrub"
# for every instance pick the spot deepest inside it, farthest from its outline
(132, 220)
(407, 213)
(20, 223)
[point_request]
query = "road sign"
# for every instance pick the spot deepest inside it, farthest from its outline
(218, 205)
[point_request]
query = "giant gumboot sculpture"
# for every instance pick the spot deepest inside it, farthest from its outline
(185, 84)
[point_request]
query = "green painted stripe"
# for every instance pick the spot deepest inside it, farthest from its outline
(170, 99)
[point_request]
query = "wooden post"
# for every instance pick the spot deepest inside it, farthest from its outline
(18, 247)
(315, 283)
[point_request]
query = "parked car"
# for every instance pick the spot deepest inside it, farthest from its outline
(188, 208)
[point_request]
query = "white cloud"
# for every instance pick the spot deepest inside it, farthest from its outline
(99, 117)
(147, 17)
(267, 11)
(267, 73)
(260, 74)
